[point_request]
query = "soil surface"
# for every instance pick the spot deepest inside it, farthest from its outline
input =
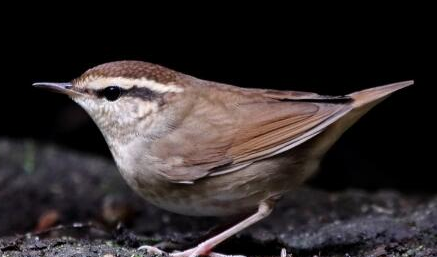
(55, 202)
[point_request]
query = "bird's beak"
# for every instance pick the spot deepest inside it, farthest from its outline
(63, 88)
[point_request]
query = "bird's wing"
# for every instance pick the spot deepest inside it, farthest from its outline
(234, 136)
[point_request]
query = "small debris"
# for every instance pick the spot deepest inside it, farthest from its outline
(38, 245)
(379, 251)
(47, 220)
(382, 210)
(29, 157)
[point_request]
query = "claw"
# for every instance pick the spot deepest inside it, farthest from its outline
(152, 250)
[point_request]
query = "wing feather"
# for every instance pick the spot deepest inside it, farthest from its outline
(238, 134)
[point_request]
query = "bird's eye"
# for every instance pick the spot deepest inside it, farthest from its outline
(112, 93)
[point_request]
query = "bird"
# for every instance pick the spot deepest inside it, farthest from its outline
(204, 148)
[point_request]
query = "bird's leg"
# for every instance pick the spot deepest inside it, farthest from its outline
(204, 249)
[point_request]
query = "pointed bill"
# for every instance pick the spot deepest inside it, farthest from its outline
(63, 88)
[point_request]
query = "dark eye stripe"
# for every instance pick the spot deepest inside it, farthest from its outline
(139, 92)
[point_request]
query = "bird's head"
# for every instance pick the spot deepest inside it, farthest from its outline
(122, 97)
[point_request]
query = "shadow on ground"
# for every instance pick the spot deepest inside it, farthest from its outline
(42, 187)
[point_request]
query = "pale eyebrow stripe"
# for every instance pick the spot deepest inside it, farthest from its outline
(126, 83)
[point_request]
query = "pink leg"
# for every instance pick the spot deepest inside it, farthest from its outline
(204, 249)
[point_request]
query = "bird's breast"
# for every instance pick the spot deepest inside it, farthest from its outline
(229, 194)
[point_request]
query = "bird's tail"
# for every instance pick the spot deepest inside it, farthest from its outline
(362, 102)
(374, 95)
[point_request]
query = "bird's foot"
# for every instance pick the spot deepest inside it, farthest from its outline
(194, 252)
(201, 250)
(152, 250)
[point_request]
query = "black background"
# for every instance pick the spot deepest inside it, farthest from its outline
(390, 147)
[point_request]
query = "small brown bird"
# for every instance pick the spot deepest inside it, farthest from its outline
(203, 148)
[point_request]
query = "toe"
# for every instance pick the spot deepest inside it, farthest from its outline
(186, 253)
(152, 250)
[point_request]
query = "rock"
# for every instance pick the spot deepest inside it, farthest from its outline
(36, 179)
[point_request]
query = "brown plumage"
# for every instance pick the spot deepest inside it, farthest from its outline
(203, 148)
(132, 70)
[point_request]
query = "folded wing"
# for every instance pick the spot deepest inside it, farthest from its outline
(251, 130)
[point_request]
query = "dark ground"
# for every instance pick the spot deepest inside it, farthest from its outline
(44, 186)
